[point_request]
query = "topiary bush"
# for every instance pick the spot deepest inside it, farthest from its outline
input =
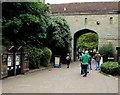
(46, 57)
(112, 68)
(106, 51)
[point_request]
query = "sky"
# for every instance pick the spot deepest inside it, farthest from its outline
(71, 1)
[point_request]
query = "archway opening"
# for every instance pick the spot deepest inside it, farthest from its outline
(82, 33)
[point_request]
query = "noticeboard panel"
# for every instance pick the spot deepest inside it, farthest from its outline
(18, 59)
(10, 60)
(57, 62)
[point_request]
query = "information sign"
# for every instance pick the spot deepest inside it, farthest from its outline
(10, 60)
(17, 59)
(57, 61)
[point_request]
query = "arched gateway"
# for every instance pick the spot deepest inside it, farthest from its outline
(75, 39)
(97, 17)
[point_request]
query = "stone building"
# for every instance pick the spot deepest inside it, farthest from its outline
(96, 17)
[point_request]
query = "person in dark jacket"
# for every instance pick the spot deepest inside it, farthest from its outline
(97, 58)
(68, 60)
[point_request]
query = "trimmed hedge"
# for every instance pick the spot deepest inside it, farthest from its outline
(46, 57)
(39, 57)
(112, 68)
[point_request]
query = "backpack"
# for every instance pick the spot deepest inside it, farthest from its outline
(68, 58)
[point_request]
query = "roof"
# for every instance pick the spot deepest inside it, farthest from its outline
(84, 7)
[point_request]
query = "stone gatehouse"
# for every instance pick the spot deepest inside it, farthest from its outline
(97, 17)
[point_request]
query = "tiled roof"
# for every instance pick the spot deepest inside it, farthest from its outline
(83, 7)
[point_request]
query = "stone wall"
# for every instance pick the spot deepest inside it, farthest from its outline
(105, 25)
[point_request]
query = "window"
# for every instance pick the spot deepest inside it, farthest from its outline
(85, 20)
(98, 22)
(111, 20)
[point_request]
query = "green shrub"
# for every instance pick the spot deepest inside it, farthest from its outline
(106, 51)
(2, 48)
(112, 68)
(34, 56)
(46, 57)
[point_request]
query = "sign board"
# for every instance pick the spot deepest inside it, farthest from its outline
(25, 63)
(4, 59)
(10, 60)
(26, 57)
(57, 61)
(17, 59)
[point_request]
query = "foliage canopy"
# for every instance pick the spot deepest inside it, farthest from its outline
(106, 51)
(58, 33)
(31, 24)
(25, 24)
(88, 41)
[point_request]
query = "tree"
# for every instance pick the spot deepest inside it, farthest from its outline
(25, 24)
(106, 51)
(88, 41)
(30, 24)
(58, 36)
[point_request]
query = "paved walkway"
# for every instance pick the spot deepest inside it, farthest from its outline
(61, 80)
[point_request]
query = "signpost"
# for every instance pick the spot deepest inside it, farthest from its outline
(11, 60)
(15, 60)
(22, 60)
(18, 62)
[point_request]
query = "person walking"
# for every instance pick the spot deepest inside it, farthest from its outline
(85, 61)
(90, 63)
(82, 71)
(68, 60)
(97, 58)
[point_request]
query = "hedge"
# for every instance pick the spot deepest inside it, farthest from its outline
(39, 57)
(34, 56)
(46, 57)
(112, 68)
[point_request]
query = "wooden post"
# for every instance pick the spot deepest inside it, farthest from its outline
(22, 61)
(14, 62)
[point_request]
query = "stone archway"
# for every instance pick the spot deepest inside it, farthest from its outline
(75, 38)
